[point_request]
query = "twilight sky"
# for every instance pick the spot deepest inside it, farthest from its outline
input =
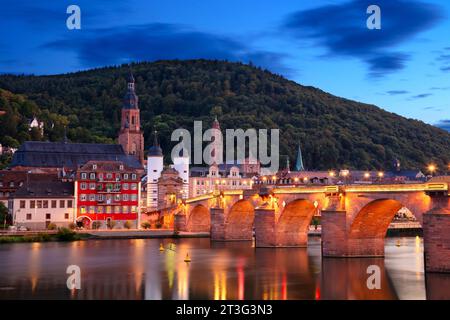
(403, 68)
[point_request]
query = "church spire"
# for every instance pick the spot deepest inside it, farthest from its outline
(299, 163)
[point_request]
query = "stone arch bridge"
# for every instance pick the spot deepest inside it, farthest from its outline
(355, 218)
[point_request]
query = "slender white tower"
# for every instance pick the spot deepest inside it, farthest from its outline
(181, 164)
(154, 168)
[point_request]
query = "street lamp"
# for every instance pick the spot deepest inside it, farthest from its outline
(432, 169)
(367, 175)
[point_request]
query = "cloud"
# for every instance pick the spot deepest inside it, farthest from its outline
(160, 41)
(444, 124)
(445, 69)
(397, 92)
(421, 96)
(341, 29)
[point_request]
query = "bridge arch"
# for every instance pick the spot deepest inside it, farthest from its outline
(239, 221)
(373, 220)
(293, 223)
(199, 219)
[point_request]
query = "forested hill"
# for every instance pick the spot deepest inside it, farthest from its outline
(334, 132)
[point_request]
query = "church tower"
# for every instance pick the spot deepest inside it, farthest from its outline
(130, 136)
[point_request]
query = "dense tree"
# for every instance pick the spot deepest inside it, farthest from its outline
(334, 132)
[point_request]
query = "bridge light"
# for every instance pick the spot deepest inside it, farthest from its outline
(332, 174)
(367, 175)
(305, 179)
(274, 177)
(381, 174)
(296, 179)
(264, 178)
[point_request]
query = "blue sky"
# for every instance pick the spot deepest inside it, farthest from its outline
(403, 68)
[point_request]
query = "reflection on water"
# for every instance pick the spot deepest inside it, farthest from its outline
(136, 269)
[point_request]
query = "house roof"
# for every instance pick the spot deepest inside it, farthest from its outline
(71, 155)
(45, 189)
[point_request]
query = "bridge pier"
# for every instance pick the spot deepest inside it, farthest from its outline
(269, 233)
(217, 224)
(264, 227)
(337, 242)
(436, 240)
(179, 223)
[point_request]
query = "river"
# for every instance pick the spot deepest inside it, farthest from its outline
(137, 269)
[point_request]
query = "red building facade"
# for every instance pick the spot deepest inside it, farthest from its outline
(107, 191)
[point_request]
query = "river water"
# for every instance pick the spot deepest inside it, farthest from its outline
(137, 269)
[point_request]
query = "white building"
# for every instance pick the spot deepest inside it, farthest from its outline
(38, 203)
(155, 165)
(181, 165)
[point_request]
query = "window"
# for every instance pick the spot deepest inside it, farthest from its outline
(45, 204)
(91, 186)
(91, 209)
(133, 197)
(133, 209)
(94, 167)
(125, 209)
(117, 197)
(83, 186)
(48, 216)
(54, 203)
(125, 176)
(28, 216)
(32, 204)
(22, 204)
(108, 209)
(99, 209)
(133, 176)
(109, 176)
(99, 186)
(61, 204)
(82, 197)
(1, 183)
(66, 216)
(117, 187)
(121, 167)
(84, 175)
(83, 209)
(69, 203)
(133, 186)
(92, 197)
(100, 197)
(125, 197)
(92, 176)
(100, 176)
(11, 184)
(125, 186)
(39, 204)
(109, 187)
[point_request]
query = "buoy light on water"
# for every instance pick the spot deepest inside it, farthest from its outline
(161, 247)
(187, 259)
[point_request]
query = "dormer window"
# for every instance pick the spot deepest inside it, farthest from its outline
(94, 167)
(121, 167)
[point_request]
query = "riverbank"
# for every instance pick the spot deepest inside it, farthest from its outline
(47, 236)
(69, 235)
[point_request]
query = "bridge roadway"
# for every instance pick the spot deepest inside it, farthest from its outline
(354, 218)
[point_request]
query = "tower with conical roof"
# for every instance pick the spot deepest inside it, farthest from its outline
(130, 136)
(155, 166)
(299, 163)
